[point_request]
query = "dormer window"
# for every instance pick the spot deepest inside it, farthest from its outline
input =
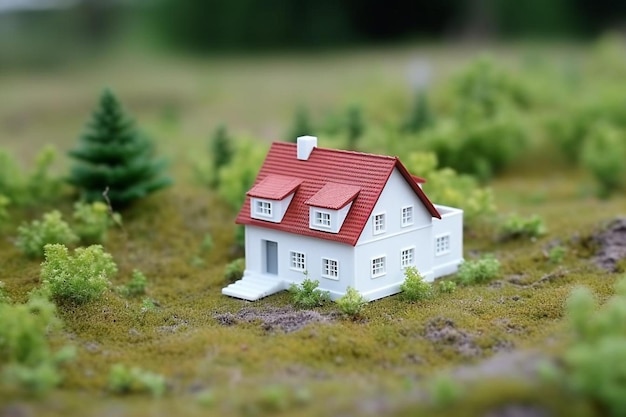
(263, 208)
(322, 218)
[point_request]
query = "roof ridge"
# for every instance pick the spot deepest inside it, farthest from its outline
(342, 151)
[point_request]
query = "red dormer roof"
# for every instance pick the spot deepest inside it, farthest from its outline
(274, 187)
(345, 175)
(333, 196)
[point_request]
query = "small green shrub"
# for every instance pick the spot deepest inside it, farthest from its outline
(124, 380)
(301, 125)
(516, 227)
(556, 254)
(207, 243)
(40, 185)
(236, 178)
(135, 287)
(604, 154)
(306, 295)
(4, 214)
(445, 391)
(446, 287)
(234, 270)
(352, 303)
(478, 271)
(419, 117)
(51, 229)
(92, 221)
(147, 305)
(414, 288)
(593, 361)
(26, 360)
(355, 127)
(76, 279)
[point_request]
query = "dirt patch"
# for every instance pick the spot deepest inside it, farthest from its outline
(441, 330)
(286, 319)
(611, 245)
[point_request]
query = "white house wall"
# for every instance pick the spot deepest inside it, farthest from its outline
(314, 249)
(451, 224)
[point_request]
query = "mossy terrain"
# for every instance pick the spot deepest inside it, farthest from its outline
(383, 362)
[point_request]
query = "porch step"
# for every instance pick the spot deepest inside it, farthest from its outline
(254, 287)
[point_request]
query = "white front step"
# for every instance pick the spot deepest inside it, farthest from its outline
(254, 287)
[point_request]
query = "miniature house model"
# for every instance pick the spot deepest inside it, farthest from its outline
(343, 218)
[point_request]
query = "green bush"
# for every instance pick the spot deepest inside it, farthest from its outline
(355, 126)
(593, 361)
(76, 279)
(124, 380)
(52, 228)
(556, 254)
(306, 294)
(236, 178)
(478, 271)
(113, 157)
(221, 152)
(445, 186)
(4, 214)
(300, 126)
(516, 227)
(136, 286)
(446, 287)
(26, 359)
(92, 221)
(234, 270)
(604, 154)
(445, 391)
(414, 288)
(352, 303)
(420, 116)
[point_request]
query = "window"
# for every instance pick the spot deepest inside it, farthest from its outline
(378, 267)
(407, 216)
(298, 261)
(330, 268)
(322, 219)
(263, 208)
(407, 257)
(442, 245)
(379, 223)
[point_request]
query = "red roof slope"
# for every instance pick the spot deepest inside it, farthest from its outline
(274, 187)
(368, 172)
(333, 196)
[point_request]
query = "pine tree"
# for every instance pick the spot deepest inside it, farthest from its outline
(222, 152)
(301, 125)
(420, 116)
(112, 155)
(354, 126)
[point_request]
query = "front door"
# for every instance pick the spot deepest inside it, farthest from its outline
(271, 257)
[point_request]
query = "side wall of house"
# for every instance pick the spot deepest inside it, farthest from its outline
(314, 250)
(395, 240)
(448, 241)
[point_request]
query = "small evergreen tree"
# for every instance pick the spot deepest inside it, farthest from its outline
(355, 126)
(222, 152)
(420, 116)
(301, 125)
(113, 155)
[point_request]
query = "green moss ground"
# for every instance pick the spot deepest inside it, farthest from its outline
(339, 368)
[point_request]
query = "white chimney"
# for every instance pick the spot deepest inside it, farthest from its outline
(305, 146)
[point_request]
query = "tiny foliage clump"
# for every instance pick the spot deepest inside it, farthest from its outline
(604, 155)
(352, 303)
(92, 221)
(4, 214)
(414, 288)
(136, 286)
(234, 270)
(26, 359)
(445, 391)
(592, 363)
(236, 178)
(221, 153)
(516, 227)
(446, 287)
(306, 294)
(76, 279)
(420, 116)
(114, 158)
(355, 126)
(125, 380)
(33, 237)
(301, 124)
(478, 271)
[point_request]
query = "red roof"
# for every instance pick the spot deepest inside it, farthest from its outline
(333, 196)
(274, 187)
(346, 170)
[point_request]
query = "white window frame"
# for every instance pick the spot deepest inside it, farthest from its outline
(379, 223)
(322, 219)
(406, 261)
(330, 268)
(378, 266)
(407, 215)
(442, 248)
(297, 261)
(263, 208)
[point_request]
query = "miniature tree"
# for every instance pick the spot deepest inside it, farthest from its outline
(112, 155)
(301, 124)
(222, 152)
(420, 116)
(355, 126)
